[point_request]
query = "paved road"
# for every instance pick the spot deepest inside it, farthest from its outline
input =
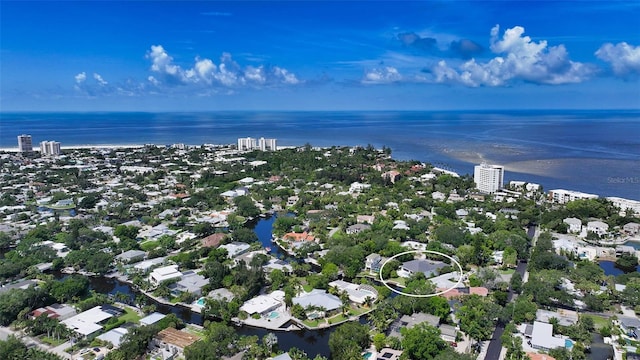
(495, 345)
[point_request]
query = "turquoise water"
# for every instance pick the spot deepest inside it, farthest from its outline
(568, 344)
(200, 302)
(367, 355)
(273, 315)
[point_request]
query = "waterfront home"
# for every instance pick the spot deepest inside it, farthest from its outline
(170, 343)
(319, 299)
(564, 317)
(631, 228)
(221, 294)
(598, 227)
(428, 267)
(373, 262)
(189, 282)
(152, 318)
(298, 237)
(262, 304)
(358, 293)
(165, 273)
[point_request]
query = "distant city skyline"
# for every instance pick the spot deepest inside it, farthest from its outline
(309, 55)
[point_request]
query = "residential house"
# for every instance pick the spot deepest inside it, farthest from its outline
(365, 219)
(114, 336)
(213, 240)
(131, 256)
(388, 354)
(358, 293)
(357, 228)
(189, 282)
(564, 317)
(171, 343)
(55, 311)
(319, 299)
(373, 262)
(152, 318)
(428, 267)
(391, 176)
(165, 273)
(542, 337)
(631, 228)
(89, 322)
(574, 225)
(409, 321)
(448, 333)
(598, 227)
(261, 304)
(235, 249)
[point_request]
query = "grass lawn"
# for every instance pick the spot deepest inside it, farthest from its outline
(336, 319)
(399, 280)
(357, 311)
(149, 245)
(311, 323)
(174, 300)
(307, 288)
(598, 321)
(507, 271)
(52, 341)
(130, 316)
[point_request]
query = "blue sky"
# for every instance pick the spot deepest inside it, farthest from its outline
(305, 55)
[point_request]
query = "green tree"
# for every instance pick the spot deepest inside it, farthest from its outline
(348, 341)
(477, 317)
(422, 341)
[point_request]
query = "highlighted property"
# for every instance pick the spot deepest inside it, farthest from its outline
(454, 261)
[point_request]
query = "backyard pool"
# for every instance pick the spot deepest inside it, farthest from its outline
(201, 302)
(273, 315)
(568, 344)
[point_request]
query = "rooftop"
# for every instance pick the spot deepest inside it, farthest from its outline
(178, 338)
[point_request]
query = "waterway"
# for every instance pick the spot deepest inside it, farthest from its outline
(610, 268)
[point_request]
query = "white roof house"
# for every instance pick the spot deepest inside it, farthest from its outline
(597, 227)
(357, 293)
(260, 304)
(542, 337)
(318, 298)
(164, 273)
(114, 336)
(86, 323)
(235, 248)
(575, 225)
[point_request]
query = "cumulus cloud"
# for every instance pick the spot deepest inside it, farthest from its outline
(99, 79)
(623, 58)
(384, 75)
(81, 77)
(519, 58)
(226, 73)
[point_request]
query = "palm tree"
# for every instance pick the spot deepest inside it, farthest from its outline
(344, 297)
(270, 340)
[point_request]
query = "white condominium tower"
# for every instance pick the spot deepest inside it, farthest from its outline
(262, 144)
(24, 143)
(50, 148)
(488, 178)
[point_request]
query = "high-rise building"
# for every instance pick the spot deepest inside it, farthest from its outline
(488, 178)
(24, 143)
(267, 144)
(246, 143)
(50, 148)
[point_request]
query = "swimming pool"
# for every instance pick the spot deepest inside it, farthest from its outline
(273, 315)
(201, 302)
(367, 355)
(568, 343)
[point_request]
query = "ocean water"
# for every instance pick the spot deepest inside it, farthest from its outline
(590, 151)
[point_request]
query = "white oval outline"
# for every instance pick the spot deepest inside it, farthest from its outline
(384, 282)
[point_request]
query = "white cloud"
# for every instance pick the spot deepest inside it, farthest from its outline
(624, 58)
(228, 73)
(81, 77)
(384, 75)
(519, 58)
(99, 79)
(153, 80)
